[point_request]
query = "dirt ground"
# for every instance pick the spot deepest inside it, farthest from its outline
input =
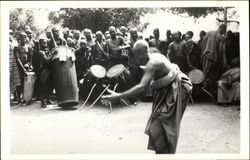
(205, 128)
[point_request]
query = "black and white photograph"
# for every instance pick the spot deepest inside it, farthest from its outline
(125, 80)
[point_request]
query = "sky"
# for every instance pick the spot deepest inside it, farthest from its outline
(164, 21)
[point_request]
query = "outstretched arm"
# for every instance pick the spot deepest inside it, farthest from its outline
(138, 89)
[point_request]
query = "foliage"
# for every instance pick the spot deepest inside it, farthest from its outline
(196, 12)
(19, 18)
(99, 18)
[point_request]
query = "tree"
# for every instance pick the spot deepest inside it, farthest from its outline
(196, 12)
(19, 18)
(98, 18)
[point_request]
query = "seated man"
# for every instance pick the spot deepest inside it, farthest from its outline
(172, 92)
(229, 86)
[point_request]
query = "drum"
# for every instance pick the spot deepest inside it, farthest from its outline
(95, 73)
(64, 76)
(28, 88)
(119, 74)
(196, 76)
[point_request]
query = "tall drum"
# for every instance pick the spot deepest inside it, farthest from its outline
(28, 88)
(64, 76)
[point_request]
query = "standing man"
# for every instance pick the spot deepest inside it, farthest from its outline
(156, 42)
(136, 71)
(116, 46)
(100, 57)
(202, 35)
(172, 92)
(45, 75)
(34, 45)
(56, 39)
(176, 52)
(65, 33)
(88, 35)
(133, 37)
(83, 59)
(213, 56)
(23, 54)
(77, 35)
(123, 30)
(166, 43)
(192, 51)
(106, 35)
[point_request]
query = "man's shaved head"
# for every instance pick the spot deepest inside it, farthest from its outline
(141, 50)
(141, 46)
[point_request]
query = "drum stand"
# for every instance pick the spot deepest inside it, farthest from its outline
(99, 97)
(88, 96)
(110, 104)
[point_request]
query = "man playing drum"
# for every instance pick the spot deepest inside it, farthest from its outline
(115, 46)
(172, 92)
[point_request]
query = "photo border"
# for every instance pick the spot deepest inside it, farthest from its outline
(244, 59)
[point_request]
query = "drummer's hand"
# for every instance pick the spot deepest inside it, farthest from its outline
(112, 96)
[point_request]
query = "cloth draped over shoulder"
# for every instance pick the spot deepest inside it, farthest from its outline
(169, 105)
(211, 46)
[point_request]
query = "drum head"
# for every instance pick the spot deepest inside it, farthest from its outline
(59, 51)
(98, 71)
(115, 71)
(196, 76)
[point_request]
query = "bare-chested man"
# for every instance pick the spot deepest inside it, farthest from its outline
(116, 46)
(172, 92)
(177, 52)
(23, 53)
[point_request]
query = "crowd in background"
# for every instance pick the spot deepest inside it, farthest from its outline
(215, 53)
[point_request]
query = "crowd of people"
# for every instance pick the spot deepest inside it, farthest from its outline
(214, 53)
